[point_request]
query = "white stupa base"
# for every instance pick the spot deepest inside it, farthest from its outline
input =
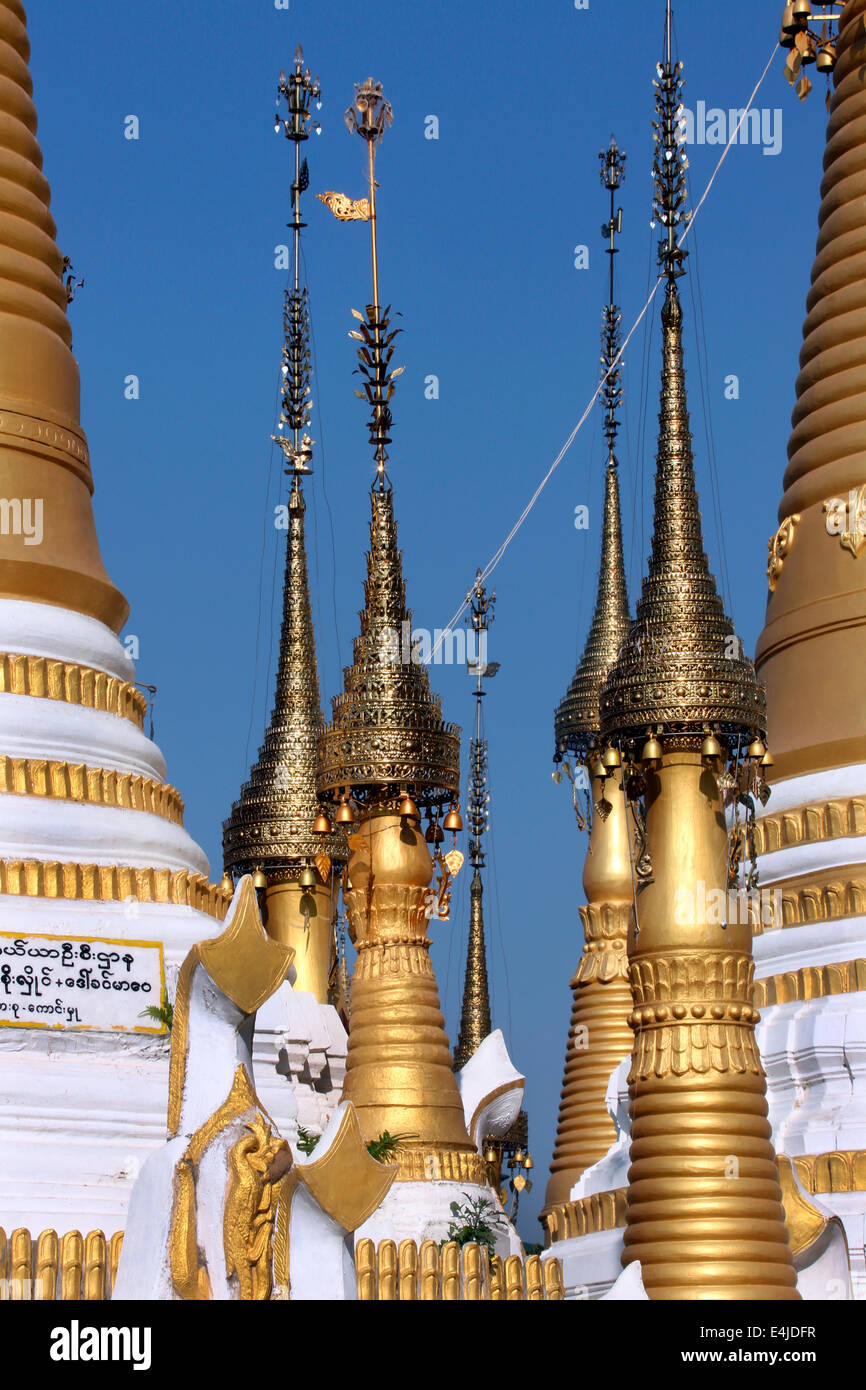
(591, 1264)
(80, 1112)
(422, 1211)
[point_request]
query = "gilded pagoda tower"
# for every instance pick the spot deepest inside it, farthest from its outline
(388, 759)
(96, 867)
(811, 837)
(272, 832)
(684, 709)
(598, 1035)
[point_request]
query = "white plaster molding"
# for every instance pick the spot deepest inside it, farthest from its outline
(41, 629)
(814, 1053)
(491, 1089)
(34, 727)
(815, 788)
(815, 943)
(611, 1171)
(629, 1287)
(37, 827)
(801, 859)
(591, 1264)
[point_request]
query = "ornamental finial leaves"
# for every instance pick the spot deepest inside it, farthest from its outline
(370, 112)
(669, 166)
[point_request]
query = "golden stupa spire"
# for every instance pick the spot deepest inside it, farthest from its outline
(475, 1021)
(684, 710)
(387, 749)
(270, 831)
(598, 1034)
(812, 652)
(49, 551)
(577, 721)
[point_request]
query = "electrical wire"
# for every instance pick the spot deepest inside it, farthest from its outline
(498, 554)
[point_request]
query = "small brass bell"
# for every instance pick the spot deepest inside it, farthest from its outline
(611, 757)
(322, 824)
(790, 25)
(227, 883)
(527, 1162)
(259, 880)
(808, 51)
(768, 760)
(408, 809)
(652, 752)
(453, 821)
(518, 1157)
(490, 1155)
(598, 769)
(786, 40)
(435, 834)
(826, 60)
(711, 748)
(345, 815)
(756, 749)
(308, 877)
(802, 13)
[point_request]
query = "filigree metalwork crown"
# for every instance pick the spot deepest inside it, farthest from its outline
(387, 730)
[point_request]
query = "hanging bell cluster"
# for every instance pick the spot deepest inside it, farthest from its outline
(434, 834)
(806, 46)
(408, 808)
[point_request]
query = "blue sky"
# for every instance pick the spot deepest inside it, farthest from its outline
(175, 235)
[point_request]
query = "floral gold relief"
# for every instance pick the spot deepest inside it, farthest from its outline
(852, 530)
(258, 1162)
(778, 547)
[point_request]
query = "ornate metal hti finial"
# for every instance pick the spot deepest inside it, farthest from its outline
(298, 90)
(272, 827)
(612, 177)
(368, 116)
(670, 162)
(387, 734)
(577, 721)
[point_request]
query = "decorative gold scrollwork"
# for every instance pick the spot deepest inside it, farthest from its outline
(778, 547)
(258, 1162)
(849, 514)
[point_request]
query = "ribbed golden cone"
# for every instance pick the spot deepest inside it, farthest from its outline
(577, 722)
(387, 730)
(598, 1036)
(44, 461)
(812, 652)
(271, 824)
(680, 669)
(398, 1067)
(704, 1207)
(475, 1020)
